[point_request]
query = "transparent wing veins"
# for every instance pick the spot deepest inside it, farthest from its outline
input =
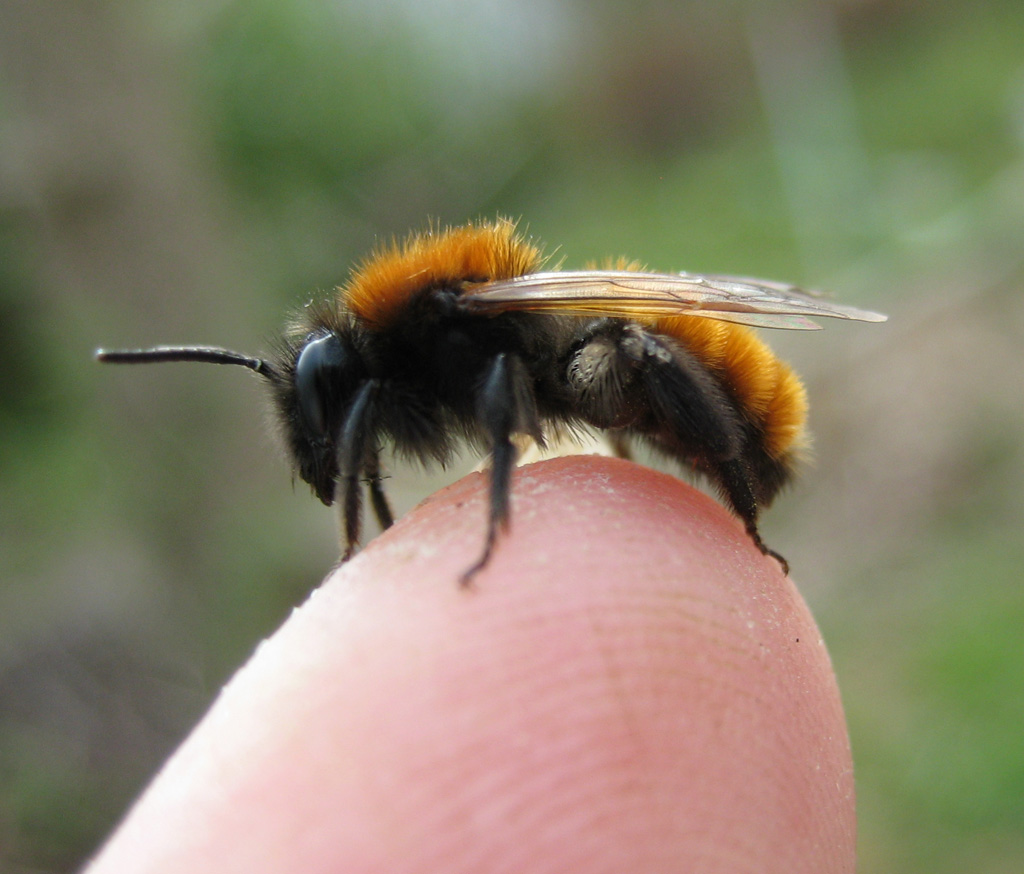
(636, 295)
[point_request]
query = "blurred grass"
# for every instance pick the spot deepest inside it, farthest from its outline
(189, 175)
(931, 674)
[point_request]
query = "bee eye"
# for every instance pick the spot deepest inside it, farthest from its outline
(317, 372)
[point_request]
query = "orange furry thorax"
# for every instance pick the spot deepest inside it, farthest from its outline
(381, 285)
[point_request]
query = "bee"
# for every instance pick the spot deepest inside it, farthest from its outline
(459, 335)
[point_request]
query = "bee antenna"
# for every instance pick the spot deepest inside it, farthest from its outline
(204, 354)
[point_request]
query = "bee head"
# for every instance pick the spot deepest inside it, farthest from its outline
(322, 375)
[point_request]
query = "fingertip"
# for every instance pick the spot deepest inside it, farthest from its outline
(629, 685)
(576, 517)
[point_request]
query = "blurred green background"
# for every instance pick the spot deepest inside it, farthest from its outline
(189, 172)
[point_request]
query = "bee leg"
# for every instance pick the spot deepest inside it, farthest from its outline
(686, 399)
(735, 479)
(701, 421)
(620, 445)
(686, 412)
(505, 405)
(353, 442)
(379, 501)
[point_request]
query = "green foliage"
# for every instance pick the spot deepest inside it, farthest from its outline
(300, 98)
(936, 713)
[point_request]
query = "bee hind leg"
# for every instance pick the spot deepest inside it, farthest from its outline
(703, 422)
(736, 482)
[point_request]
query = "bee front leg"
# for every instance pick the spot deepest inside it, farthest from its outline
(379, 500)
(353, 443)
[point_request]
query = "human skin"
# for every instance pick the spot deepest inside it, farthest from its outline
(629, 685)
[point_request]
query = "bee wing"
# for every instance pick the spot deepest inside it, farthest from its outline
(635, 295)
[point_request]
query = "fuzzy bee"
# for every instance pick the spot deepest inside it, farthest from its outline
(459, 335)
